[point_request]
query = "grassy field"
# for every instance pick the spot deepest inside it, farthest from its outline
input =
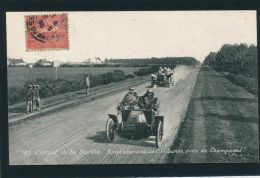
(18, 75)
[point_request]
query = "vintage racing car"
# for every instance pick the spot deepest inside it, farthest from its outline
(136, 124)
(161, 80)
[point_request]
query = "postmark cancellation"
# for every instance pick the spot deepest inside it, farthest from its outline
(47, 32)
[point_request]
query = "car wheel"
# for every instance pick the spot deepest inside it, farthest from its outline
(110, 130)
(159, 134)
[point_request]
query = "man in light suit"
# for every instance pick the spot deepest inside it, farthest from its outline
(87, 84)
(29, 107)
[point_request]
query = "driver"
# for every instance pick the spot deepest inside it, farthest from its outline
(160, 70)
(149, 102)
(130, 100)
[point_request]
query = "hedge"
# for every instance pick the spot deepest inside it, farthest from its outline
(249, 83)
(50, 87)
(146, 71)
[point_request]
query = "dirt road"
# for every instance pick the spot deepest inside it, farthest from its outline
(77, 135)
(221, 123)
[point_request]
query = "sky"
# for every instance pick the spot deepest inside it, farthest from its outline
(138, 34)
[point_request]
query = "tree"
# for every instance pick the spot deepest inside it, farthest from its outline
(97, 59)
(237, 59)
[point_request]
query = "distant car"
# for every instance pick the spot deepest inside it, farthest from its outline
(136, 124)
(161, 80)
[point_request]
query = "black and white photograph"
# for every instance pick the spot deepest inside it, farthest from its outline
(132, 87)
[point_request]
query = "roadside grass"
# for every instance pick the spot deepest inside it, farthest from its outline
(249, 83)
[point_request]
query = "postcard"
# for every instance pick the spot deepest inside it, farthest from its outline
(132, 87)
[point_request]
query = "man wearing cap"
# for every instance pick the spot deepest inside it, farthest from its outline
(29, 99)
(33, 97)
(130, 100)
(149, 102)
(37, 98)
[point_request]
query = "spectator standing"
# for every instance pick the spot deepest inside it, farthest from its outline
(37, 100)
(29, 107)
(87, 84)
(33, 97)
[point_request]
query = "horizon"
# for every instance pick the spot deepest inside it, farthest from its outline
(128, 58)
(138, 34)
(102, 59)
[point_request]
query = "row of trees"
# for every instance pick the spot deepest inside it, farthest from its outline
(236, 59)
(155, 61)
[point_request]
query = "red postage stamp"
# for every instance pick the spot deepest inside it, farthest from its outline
(47, 32)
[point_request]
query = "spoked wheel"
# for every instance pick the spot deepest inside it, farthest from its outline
(169, 82)
(110, 130)
(159, 134)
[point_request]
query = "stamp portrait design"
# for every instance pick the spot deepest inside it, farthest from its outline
(46, 32)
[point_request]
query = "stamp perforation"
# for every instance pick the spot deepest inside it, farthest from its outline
(51, 48)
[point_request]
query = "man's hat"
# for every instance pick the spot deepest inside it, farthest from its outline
(34, 86)
(30, 86)
(131, 89)
(149, 91)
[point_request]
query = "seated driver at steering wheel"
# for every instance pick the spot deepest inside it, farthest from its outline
(149, 102)
(130, 100)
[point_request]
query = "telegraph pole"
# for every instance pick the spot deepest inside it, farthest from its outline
(30, 67)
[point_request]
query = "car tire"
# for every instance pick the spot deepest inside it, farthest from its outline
(159, 134)
(110, 130)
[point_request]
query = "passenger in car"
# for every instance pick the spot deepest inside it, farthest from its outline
(149, 102)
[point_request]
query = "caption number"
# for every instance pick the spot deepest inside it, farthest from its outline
(26, 153)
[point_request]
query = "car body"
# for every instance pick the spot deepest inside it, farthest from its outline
(135, 125)
(161, 80)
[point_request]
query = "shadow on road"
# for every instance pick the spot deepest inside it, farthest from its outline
(231, 117)
(100, 137)
(149, 142)
(149, 87)
(81, 93)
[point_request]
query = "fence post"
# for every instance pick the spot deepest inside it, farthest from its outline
(56, 73)
(30, 67)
